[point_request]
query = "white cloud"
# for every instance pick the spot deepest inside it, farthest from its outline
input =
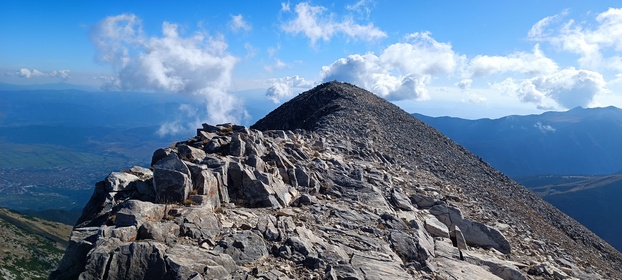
(539, 30)
(283, 88)
(589, 41)
(544, 128)
(278, 64)
(238, 23)
(316, 24)
(285, 7)
(34, 73)
(402, 71)
(464, 84)
(421, 54)
(197, 64)
(567, 88)
(362, 7)
(520, 62)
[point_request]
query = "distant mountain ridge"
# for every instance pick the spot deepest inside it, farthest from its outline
(579, 141)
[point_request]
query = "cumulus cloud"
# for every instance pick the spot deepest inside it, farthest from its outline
(402, 71)
(316, 24)
(238, 23)
(26, 73)
(34, 73)
(196, 64)
(283, 88)
(587, 40)
(520, 62)
(567, 88)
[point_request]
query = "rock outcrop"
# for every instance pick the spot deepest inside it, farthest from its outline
(334, 184)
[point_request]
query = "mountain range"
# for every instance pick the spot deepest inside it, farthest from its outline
(336, 183)
(572, 159)
(579, 141)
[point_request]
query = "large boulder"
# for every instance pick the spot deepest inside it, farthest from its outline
(136, 212)
(138, 260)
(476, 234)
(120, 181)
(186, 262)
(244, 247)
(171, 186)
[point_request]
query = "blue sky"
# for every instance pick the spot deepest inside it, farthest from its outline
(468, 59)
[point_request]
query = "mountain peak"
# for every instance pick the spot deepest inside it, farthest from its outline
(315, 108)
(359, 189)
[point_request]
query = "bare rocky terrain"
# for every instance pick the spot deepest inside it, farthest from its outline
(335, 184)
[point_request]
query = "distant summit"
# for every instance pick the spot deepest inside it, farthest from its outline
(337, 183)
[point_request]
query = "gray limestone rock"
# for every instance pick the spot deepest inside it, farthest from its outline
(171, 186)
(81, 241)
(400, 200)
(200, 223)
(408, 248)
(190, 153)
(97, 260)
(435, 227)
(120, 181)
(377, 267)
(185, 262)
(475, 233)
(136, 212)
(422, 201)
(266, 225)
(158, 231)
(171, 162)
(456, 234)
(125, 234)
(244, 247)
(237, 147)
(501, 268)
(160, 154)
(138, 260)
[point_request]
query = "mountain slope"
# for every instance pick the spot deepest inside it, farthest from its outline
(30, 247)
(579, 141)
(556, 155)
(345, 110)
(337, 183)
(591, 200)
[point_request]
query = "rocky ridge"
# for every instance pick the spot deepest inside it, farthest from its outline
(334, 184)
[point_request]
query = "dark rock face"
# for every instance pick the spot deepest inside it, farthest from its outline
(335, 184)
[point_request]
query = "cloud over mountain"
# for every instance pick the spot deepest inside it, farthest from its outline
(196, 64)
(283, 88)
(402, 71)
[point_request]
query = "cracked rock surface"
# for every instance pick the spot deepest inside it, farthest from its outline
(335, 184)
